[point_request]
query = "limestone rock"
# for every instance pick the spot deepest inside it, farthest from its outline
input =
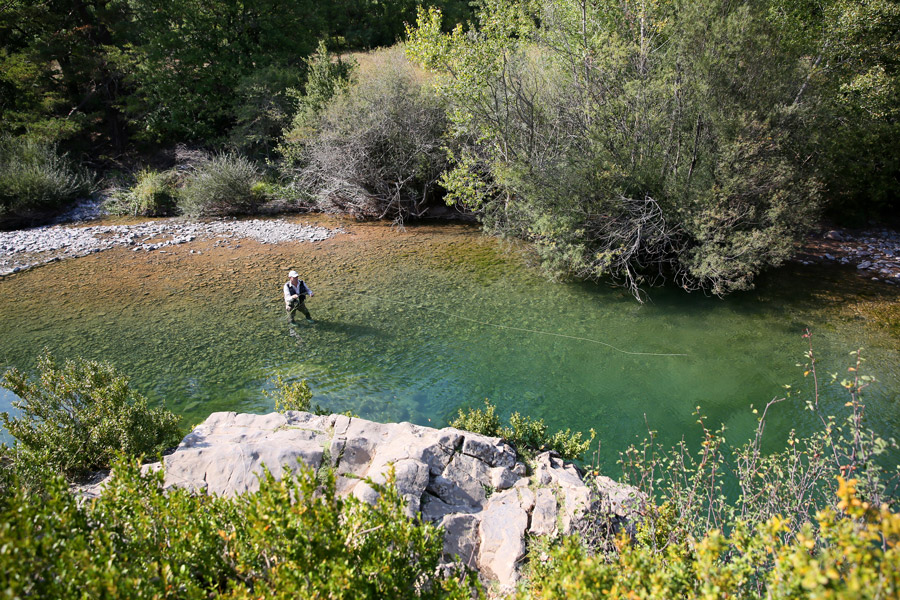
(462, 538)
(472, 485)
(543, 519)
(618, 499)
(577, 498)
(502, 531)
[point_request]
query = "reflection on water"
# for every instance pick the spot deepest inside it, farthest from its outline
(413, 324)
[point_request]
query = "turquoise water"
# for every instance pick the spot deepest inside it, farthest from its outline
(412, 325)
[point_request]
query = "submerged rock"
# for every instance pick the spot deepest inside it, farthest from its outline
(472, 485)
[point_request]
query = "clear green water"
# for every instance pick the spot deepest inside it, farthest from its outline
(206, 332)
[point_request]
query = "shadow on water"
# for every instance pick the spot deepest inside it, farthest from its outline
(412, 325)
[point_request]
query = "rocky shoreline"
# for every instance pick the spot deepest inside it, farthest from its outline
(875, 253)
(27, 248)
(488, 501)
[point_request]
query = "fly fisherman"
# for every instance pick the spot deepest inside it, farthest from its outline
(295, 293)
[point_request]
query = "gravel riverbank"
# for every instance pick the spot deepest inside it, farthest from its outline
(875, 253)
(27, 248)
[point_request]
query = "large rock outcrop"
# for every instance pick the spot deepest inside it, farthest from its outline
(472, 485)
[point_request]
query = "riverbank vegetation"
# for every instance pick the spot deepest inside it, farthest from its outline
(815, 519)
(76, 417)
(690, 143)
(527, 435)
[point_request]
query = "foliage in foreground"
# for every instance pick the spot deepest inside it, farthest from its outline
(528, 435)
(76, 416)
(849, 553)
(295, 538)
(35, 179)
(292, 395)
(738, 522)
(792, 483)
(783, 536)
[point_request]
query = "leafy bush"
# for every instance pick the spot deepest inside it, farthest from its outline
(528, 435)
(77, 416)
(294, 395)
(222, 184)
(294, 538)
(35, 180)
(793, 483)
(375, 150)
(153, 195)
(856, 554)
(738, 522)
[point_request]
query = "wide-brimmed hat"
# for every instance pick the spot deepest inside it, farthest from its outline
(293, 274)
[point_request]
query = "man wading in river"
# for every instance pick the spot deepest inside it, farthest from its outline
(295, 292)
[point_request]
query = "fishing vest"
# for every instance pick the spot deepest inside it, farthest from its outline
(300, 290)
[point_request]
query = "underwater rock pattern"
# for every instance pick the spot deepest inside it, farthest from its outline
(466, 482)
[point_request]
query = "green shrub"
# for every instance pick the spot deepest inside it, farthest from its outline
(375, 149)
(222, 184)
(75, 418)
(153, 195)
(294, 538)
(724, 522)
(528, 435)
(35, 180)
(793, 483)
(856, 554)
(294, 395)
(476, 420)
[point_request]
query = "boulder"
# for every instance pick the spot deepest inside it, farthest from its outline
(469, 484)
(502, 532)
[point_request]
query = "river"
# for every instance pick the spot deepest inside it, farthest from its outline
(414, 323)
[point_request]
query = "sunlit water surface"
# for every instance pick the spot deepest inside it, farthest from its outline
(414, 324)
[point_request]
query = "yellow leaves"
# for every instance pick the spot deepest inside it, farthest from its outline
(846, 492)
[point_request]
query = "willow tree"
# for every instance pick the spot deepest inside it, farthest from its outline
(644, 140)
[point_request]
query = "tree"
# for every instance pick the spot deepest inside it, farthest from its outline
(853, 47)
(56, 79)
(647, 141)
(187, 57)
(371, 147)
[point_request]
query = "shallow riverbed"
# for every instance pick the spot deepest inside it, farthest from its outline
(413, 324)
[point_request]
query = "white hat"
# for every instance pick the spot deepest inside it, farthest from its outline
(293, 274)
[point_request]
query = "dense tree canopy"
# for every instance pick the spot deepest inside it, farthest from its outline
(173, 70)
